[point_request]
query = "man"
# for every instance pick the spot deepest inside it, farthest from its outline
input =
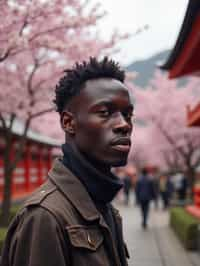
(127, 188)
(182, 192)
(144, 194)
(166, 190)
(70, 221)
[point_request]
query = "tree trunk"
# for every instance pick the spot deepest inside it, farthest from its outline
(5, 214)
(190, 174)
(10, 160)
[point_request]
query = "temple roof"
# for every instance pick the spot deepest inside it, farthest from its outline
(183, 57)
(18, 129)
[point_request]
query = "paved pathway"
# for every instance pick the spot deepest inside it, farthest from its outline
(156, 246)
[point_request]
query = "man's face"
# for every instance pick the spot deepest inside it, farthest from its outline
(102, 117)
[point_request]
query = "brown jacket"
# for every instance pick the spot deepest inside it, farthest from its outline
(60, 226)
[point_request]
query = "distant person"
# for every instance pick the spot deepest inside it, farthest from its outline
(127, 188)
(182, 191)
(155, 182)
(132, 173)
(166, 190)
(144, 194)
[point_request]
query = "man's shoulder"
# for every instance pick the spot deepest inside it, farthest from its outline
(49, 198)
(39, 195)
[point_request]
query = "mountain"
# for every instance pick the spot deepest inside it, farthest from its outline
(146, 68)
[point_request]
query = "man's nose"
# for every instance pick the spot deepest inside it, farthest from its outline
(122, 125)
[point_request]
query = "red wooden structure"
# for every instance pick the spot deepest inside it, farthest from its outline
(32, 170)
(184, 58)
(195, 209)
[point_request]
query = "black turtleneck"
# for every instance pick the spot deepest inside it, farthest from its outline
(101, 187)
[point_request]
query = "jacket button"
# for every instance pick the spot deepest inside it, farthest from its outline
(90, 241)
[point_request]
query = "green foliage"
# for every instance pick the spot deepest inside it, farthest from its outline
(14, 209)
(3, 230)
(185, 226)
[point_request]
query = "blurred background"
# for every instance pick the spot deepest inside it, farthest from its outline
(158, 44)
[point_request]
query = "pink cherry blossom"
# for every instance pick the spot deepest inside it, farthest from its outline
(161, 136)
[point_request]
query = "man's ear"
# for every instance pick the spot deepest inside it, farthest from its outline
(67, 122)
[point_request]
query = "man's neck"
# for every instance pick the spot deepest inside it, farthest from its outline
(104, 169)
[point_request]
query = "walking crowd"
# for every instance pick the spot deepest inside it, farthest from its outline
(148, 187)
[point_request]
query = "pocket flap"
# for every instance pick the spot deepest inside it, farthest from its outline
(85, 237)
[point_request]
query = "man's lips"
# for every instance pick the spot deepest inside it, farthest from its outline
(121, 144)
(122, 148)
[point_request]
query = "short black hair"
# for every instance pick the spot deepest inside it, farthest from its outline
(74, 79)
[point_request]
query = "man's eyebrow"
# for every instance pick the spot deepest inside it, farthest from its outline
(103, 102)
(110, 103)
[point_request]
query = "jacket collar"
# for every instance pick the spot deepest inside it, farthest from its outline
(74, 190)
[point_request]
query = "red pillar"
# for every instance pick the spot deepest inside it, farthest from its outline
(197, 196)
(49, 158)
(39, 166)
(27, 167)
(11, 156)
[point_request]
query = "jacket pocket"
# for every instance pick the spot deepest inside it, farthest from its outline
(87, 237)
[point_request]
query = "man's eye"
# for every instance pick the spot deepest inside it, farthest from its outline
(104, 113)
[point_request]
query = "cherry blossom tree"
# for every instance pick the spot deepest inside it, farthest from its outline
(38, 40)
(53, 25)
(164, 139)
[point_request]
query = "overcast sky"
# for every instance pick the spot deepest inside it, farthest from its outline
(163, 17)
